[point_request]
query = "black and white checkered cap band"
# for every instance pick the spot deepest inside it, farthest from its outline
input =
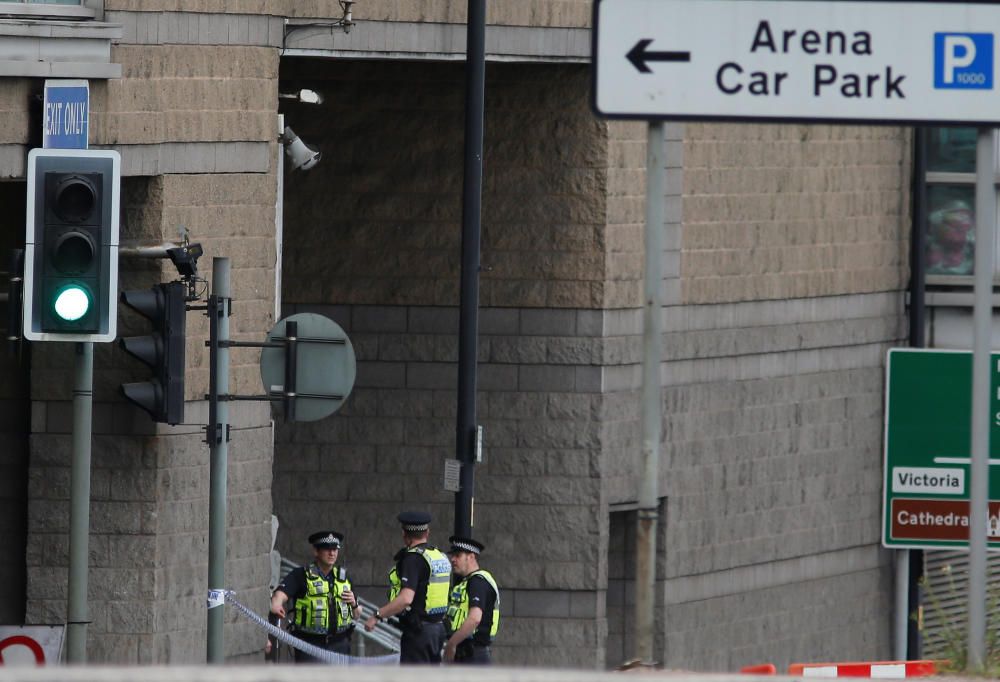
(330, 539)
(416, 527)
(465, 547)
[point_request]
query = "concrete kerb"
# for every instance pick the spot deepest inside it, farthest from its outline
(292, 673)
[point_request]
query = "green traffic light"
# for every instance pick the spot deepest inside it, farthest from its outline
(72, 303)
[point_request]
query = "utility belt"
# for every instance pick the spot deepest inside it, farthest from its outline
(339, 636)
(410, 622)
(314, 637)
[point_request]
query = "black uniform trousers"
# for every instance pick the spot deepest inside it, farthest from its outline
(422, 644)
(340, 644)
(471, 652)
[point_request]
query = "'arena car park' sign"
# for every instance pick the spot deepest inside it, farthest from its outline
(788, 60)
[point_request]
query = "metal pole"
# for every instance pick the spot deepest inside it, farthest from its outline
(291, 368)
(901, 624)
(465, 427)
(79, 504)
(15, 287)
(218, 438)
(982, 337)
(918, 318)
(652, 352)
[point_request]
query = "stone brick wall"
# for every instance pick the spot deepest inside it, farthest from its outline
(568, 13)
(813, 620)
(187, 93)
(393, 141)
(14, 111)
(785, 212)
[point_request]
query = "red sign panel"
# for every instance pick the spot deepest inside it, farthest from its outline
(926, 519)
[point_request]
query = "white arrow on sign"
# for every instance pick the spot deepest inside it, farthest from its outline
(798, 60)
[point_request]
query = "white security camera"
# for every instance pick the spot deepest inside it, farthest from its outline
(299, 155)
(306, 96)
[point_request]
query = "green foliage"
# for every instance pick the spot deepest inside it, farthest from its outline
(950, 640)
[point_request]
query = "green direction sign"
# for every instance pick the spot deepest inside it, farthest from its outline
(928, 448)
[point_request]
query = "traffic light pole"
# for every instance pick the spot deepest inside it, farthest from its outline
(79, 513)
(218, 443)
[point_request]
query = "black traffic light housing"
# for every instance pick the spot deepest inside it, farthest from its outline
(71, 245)
(163, 351)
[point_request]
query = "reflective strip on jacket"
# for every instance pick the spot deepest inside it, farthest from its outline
(458, 609)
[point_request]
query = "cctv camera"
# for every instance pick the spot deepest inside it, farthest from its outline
(299, 155)
(306, 96)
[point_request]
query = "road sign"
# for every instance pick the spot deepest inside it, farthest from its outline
(928, 447)
(321, 368)
(66, 114)
(30, 645)
(797, 60)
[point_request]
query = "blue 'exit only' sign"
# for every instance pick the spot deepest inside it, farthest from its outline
(66, 114)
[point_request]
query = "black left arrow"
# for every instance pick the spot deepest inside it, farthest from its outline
(638, 55)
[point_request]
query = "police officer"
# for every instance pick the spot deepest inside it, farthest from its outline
(418, 592)
(324, 606)
(474, 609)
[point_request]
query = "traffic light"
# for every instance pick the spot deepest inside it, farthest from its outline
(71, 245)
(163, 396)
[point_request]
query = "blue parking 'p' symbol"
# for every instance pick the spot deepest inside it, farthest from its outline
(963, 61)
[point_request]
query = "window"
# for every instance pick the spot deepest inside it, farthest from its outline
(66, 9)
(951, 206)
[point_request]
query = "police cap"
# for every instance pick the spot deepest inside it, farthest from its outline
(462, 544)
(415, 521)
(326, 538)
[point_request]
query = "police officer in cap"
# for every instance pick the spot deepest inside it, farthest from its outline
(474, 609)
(322, 602)
(418, 592)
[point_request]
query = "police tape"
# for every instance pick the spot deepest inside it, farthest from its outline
(305, 647)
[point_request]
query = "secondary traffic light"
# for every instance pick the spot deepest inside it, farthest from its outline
(163, 396)
(71, 245)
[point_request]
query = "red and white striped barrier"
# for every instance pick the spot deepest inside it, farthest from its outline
(759, 669)
(877, 669)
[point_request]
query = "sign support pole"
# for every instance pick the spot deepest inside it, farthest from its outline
(652, 351)
(901, 623)
(79, 505)
(77, 92)
(981, 373)
(218, 444)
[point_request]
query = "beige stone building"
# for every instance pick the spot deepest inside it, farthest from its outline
(785, 266)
